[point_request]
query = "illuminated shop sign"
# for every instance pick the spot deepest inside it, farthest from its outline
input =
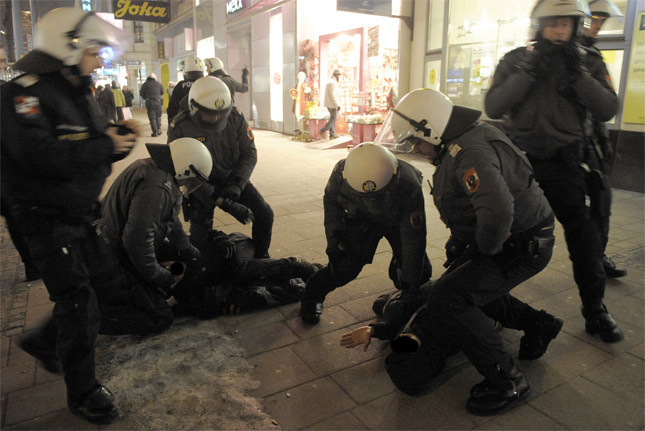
(137, 10)
(86, 5)
(233, 6)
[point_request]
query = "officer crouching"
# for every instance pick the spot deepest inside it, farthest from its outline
(486, 195)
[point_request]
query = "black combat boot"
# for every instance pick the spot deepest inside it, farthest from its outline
(599, 321)
(489, 398)
(544, 328)
(95, 406)
(310, 311)
(610, 268)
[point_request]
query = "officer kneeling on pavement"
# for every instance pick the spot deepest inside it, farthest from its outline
(212, 119)
(371, 195)
(57, 151)
(140, 211)
(485, 192)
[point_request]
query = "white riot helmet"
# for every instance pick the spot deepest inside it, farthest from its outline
(185, 158)
(424, 114)
(193, 68)
(604, 8)
(211, 96)
(214, 64)
(65, 33)
(578, 9)
(372, 172)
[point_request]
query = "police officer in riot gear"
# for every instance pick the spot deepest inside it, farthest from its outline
(544, 92)
(370, 195)
(213, 120)
(193, 70)
(57, 151)
(486, 195)
(598, 153)
(215, 67)
(139, 212)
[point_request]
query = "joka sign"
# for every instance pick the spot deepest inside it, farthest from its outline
(138, 10)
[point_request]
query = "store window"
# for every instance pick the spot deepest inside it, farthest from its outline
(275, 66)
(479, 34)
(435, 24)
(613, 58)
(138, 32)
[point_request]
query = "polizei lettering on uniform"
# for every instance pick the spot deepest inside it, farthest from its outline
(137, 10)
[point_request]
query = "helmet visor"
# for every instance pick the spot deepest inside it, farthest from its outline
(93, 30)
(385, 137)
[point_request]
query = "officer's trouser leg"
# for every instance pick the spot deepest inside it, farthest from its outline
(152, 117)
(565, 188)
(201, 222)
(263, 224)
(335, 274)
(600, 205)
(67, 255)
(456, 297)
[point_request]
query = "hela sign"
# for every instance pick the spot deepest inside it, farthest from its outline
(233, 6)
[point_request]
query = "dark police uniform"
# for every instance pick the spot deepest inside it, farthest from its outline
(234, 158)
(597, 155)
(232, 84)
(55, 159)
(181, 90)
(152, 92)
(139, 212)
(485, 191)
(544, 116)
(350, 221)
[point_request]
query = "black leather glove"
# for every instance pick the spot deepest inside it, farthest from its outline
(576, 61)
(245, 74)
(242, 213)
(535, 58)
(231, 192)
(190, 254)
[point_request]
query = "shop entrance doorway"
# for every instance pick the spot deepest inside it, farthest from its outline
(344, 51)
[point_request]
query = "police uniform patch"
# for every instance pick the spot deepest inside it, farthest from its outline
(471, 179)
(27, 106)
(201, 138)
(369, 186)
(454, 149)
(416, 219)
(249, 133)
